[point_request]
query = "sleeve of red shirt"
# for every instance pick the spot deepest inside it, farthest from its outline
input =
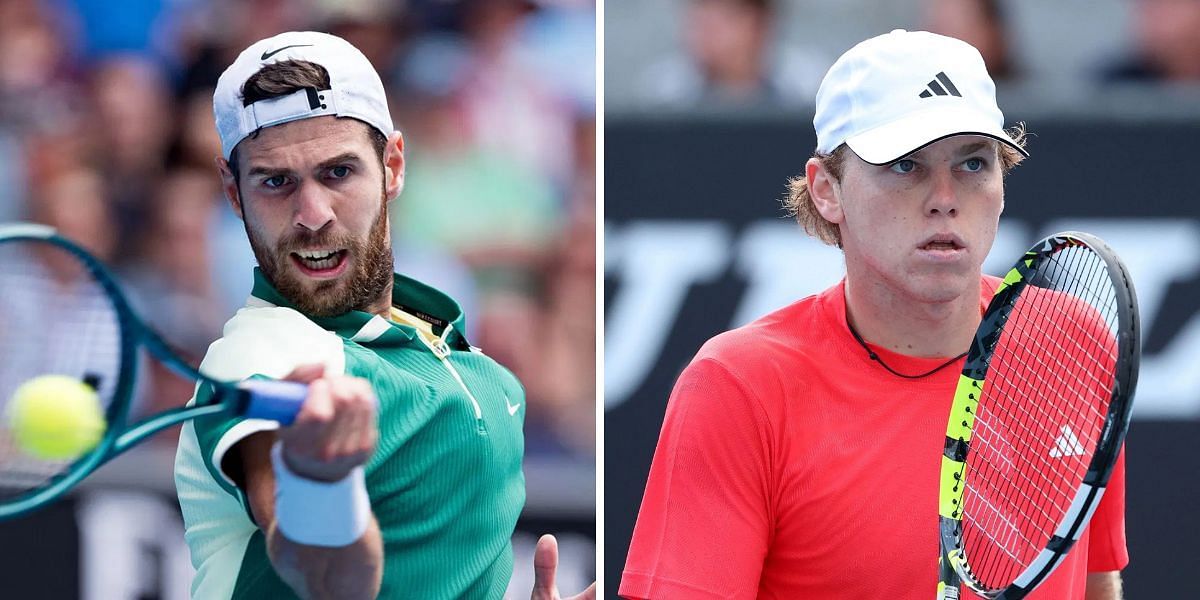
(1106, 549)
(705, 521)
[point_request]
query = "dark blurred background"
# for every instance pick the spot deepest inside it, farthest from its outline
(106, 132)
(708, 111)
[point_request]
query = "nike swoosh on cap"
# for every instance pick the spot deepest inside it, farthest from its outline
(267, 55)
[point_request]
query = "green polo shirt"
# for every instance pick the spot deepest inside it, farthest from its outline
(445, 481)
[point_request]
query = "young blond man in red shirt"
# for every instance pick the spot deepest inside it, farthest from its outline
(800, 453)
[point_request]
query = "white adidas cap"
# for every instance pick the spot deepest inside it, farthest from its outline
(899, 92)
(355, 88)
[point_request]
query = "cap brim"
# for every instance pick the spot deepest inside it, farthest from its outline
(893, 141)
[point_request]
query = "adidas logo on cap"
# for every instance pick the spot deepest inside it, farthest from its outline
(945, 88)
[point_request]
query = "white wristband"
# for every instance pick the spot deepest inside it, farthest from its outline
(316, 513)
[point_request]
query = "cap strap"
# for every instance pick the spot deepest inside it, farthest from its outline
(301, 104)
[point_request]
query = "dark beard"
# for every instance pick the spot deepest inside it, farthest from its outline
(362, 287)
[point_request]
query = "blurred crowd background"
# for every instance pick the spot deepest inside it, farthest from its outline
(106, 132)
(680, 54)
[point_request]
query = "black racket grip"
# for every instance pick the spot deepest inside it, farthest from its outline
(948, 581)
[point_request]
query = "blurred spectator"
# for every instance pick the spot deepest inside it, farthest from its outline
(507, 106)
(477, 203)
(74, 199)
(35, 89)
(134, 116)
(369, 25)
(980, 23)
(133, 109)
(731, 58)
(171, 282)
(239, 23)
(1167, 44)
(171, 277)
(567, 338)
(196, 142)
(560, 44)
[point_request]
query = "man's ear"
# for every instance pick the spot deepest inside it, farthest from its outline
(229, 186)
(393, 165)
(824, 191)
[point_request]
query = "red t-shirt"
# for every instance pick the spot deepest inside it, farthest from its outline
(792, 466)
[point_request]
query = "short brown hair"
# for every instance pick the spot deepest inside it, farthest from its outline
(287, 77)
(798, 202)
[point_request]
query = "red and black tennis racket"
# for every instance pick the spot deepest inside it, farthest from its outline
(1038, 418)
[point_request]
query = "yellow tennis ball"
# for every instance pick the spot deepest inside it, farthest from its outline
(55, 417)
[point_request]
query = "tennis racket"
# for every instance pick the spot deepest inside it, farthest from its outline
(1038, 417)
(61, 312)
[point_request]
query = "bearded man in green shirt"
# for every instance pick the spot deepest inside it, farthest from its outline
(401, 475)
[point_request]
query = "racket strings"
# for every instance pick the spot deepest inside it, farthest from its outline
(54, 319)
(1024, 499)
(1040, 414)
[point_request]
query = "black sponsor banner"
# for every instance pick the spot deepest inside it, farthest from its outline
(128, 544)
(696, 243)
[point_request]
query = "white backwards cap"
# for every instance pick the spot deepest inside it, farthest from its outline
(899, 92)
(355, 89)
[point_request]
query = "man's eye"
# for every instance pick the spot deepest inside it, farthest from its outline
(274, 182)
(340, 172)
(904, 166)
(974, 164)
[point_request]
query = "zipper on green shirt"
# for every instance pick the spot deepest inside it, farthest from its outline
(441, 350)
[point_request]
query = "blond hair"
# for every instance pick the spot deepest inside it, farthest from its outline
(798, 202)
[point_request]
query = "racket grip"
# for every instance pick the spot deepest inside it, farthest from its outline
(274, 400)
(948, 581)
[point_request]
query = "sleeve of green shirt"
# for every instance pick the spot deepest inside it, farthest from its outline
(258, 343)
(217, 434)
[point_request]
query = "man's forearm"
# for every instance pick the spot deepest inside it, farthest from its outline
(318, 572)
(335, 549)
(1104, 586)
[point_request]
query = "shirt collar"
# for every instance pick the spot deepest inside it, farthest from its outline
(408, 294)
